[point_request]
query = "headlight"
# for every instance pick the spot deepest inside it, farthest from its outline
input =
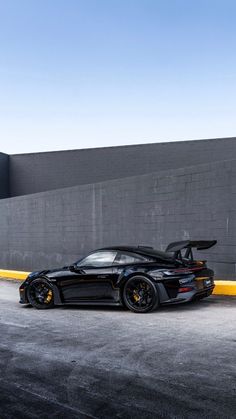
(32, 274)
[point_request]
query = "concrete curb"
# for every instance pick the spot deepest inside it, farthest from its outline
(225, 287)
(221, 287)
(13, 274)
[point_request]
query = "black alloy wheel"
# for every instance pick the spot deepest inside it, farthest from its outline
(40, 294)
(140, 295)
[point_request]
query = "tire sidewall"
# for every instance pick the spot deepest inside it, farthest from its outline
(154, 289)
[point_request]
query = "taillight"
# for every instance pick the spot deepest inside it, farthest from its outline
(185, 289)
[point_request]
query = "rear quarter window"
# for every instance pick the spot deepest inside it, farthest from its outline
(124, 258)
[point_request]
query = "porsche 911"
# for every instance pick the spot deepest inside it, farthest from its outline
(139, 278)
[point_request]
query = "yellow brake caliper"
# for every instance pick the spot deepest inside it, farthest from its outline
(49, 297)
(136, 296)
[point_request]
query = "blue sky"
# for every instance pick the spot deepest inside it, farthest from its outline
(92, 73)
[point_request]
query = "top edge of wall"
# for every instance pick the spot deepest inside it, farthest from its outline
(164, 172)
(161, 143)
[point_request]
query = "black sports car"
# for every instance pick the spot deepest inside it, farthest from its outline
(139, 278)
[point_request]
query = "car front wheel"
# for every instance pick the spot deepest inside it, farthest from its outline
(40, 294)
(140, 295)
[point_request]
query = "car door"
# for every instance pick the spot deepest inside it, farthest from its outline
(92, 280)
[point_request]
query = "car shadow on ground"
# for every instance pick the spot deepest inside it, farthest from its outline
(196, 305)
(181, 307)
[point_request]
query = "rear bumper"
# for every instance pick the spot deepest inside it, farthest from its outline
(195, 295)
(192, 295)
(206, 292)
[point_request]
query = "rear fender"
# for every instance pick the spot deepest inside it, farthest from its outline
(129, 273)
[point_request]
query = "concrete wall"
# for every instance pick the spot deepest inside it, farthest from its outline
(4, 175)
(51, 229)
(30, 173)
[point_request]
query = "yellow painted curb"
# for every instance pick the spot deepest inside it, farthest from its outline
(225, 287)
(13, 274)
(221, 287)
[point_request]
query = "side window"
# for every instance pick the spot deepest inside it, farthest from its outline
(98, 259)
(124, 258)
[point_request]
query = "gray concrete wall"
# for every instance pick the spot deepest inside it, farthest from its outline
(30, 173)
(4, 175)
(51, 229)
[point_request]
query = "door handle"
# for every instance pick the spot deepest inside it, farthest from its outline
(102, 276)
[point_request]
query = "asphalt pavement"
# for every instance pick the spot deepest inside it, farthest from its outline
(81, 362)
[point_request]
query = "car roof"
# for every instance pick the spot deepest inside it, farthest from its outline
(142, 250)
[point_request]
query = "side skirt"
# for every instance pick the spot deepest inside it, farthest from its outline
(92, 303)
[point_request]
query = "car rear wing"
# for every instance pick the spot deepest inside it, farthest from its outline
(176, 247)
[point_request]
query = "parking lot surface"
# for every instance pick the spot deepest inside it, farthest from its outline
(73, 362)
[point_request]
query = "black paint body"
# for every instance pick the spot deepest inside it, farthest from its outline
(175, 280)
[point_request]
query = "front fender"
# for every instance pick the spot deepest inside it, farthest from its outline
(56, 292)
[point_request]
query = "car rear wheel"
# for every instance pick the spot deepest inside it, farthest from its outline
(40, 294)
(140, 295)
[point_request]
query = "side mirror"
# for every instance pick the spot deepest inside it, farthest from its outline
(72, 268)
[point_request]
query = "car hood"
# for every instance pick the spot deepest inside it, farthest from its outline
(50, 273)
(55, 273)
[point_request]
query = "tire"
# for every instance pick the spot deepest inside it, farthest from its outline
(140, 294)
(40, 294)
